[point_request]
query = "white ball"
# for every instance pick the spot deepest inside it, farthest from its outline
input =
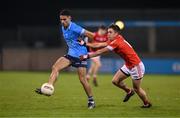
(47, 89)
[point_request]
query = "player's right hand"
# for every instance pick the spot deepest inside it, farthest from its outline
(84, 57)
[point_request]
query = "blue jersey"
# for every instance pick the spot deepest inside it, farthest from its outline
(71, 35)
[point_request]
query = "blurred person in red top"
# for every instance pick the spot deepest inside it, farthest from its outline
(133, 66)
(99, 37)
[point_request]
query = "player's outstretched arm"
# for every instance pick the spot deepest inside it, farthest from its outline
(97, 45)
(97, 53)
(89, 34)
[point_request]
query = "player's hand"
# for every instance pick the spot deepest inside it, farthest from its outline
(84, 57)
(81, 42)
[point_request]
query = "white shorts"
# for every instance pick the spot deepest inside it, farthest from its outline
(95, 59)
(137, 72)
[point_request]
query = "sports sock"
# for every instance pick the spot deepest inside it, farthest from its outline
(129, 91)
(94, 76)
(146, 102)
(90, 98)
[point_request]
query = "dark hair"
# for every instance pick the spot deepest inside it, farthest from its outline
(114, 27)
(102, 27)
(65, 12)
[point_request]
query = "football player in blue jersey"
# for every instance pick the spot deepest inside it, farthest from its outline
(71, 33)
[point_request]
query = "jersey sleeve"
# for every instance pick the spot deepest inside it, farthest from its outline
(112, 45)
(95, 35)
(78, 29)
(94, 38)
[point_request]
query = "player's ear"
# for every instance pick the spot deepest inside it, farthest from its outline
(70, 17)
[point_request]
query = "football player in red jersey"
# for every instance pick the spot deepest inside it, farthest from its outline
(99, 37)
(133, 66)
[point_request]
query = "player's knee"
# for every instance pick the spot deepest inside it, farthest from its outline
(114, 81)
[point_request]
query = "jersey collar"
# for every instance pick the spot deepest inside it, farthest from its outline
(68, 26)
(117, 36)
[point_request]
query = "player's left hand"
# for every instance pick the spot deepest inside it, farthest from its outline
(81, 42)
(84, 57)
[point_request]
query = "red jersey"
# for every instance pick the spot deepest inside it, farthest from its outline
(98, 39)
(120, 46)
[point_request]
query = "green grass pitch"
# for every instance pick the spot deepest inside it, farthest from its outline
(17, 97)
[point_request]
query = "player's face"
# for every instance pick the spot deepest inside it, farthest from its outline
(112, 34)
(65, 20)
(102, 32)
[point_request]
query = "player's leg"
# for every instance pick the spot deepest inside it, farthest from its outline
(137, 74)
(117, 80)
(90, 71)
(60, 64)
(86, 86)
(84, 82)
(141, 93)
(97, 63)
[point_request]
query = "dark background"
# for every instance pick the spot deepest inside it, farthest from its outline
(35, 23)
(44, 12)
(31, 39)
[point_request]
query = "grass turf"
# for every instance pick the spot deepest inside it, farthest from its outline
(17, 97)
